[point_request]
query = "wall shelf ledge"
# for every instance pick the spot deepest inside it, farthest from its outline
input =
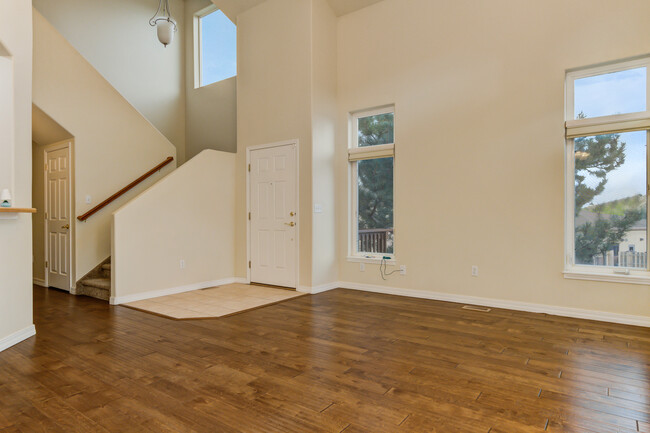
(17, 210)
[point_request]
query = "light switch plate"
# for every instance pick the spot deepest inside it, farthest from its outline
(88, 199)
(318, 208)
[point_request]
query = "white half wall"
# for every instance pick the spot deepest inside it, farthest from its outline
(189, 216)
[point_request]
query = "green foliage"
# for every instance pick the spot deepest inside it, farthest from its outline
(376, 193)
(376, 175)
(377, 129)
(619, 207)
(602, 235)
(595, 157)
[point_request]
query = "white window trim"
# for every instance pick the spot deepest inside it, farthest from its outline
(575, 128)
(356, 154)
(197, 42)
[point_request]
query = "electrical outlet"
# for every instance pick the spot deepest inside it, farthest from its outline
(182, 264)
(474, 271)
(402, 269)
(362, 267)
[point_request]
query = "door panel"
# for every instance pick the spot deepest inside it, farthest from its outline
(58, 218)
(273, 206)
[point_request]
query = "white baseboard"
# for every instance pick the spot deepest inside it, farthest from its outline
(577, 313)
(39, 282)
(116, 300)
(17, 337)
(319, 289)
(240, 280)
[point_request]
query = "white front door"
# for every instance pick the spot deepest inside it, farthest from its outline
(273, 207)
(57, 215)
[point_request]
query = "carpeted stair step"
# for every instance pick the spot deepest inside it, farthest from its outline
(98, 283)
(106, 270)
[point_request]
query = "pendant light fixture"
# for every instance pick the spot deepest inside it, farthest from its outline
(164, 23)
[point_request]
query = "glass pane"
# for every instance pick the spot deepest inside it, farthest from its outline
(616, 93)
(375, 204)
(375, 130)
(610, 200)
(218, 48)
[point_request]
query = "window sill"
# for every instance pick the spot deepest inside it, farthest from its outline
(634, 277)
(376, 260)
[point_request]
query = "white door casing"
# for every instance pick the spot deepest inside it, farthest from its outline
(58, 240)
(273, 205)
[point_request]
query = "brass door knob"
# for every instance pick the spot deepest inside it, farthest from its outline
(292, 213)
(291, 224)
(67, 226)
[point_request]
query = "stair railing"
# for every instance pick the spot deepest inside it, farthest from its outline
(124, 190)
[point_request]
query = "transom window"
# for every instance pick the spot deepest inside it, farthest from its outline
(607, 169)
(371, 157)
(215, 47)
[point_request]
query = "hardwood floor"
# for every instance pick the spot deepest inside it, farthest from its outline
(338, 361)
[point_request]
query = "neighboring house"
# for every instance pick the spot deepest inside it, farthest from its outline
(630, 252)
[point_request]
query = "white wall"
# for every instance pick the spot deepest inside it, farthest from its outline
(478, 89)
(189, 215)
(116, 38)
(211, 110)
(114, 144)
(323, 67)
(16, 247)
(274, 104)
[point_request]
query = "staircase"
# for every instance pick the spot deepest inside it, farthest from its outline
(97, 283)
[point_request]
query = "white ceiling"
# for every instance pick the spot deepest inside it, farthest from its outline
(232, 8)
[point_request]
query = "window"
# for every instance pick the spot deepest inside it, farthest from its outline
(607, 131)
(215, 47)
(371, 157)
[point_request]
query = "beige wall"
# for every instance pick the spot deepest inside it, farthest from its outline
(478, 89)
(323, 67)
(115, 37)
(16, 246)
(38, 219)
(274, 103)
(211, 110)
(113, 143)
(188, 216)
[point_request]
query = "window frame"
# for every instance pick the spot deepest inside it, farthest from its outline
(198, 38)
(616, 123)
(363, 153)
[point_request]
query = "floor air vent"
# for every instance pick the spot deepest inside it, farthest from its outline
(475, 308)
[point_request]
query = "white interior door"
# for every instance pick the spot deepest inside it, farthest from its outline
(57, 216)
(273, 207)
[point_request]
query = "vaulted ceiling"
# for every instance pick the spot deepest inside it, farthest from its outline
(232, 8)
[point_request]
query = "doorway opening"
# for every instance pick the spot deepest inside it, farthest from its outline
(53, 226)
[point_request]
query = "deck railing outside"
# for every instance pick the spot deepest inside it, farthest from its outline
(375, 240)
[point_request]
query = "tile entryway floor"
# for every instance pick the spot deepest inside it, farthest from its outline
(214, 302)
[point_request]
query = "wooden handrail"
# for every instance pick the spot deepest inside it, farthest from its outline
(115, 196)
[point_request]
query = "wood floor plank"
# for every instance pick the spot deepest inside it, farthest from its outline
(341, 361)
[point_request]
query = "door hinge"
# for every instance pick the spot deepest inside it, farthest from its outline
(249, 264)
(47, 264)
(45, 215)
(249, 216)
(45, 167)
(249, 167)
